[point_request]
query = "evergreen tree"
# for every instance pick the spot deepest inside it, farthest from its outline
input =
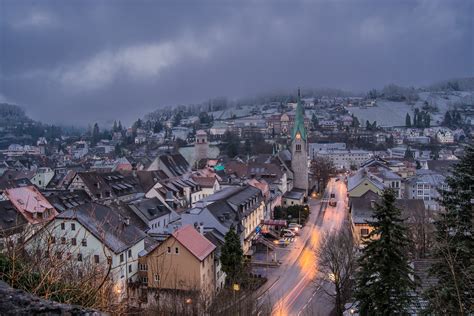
(408, 120)
(95, 134)
(232, 256)
(427, 120)
(120, 128)
(158, 127)
(314, 121)
(447, 119)
(454, 269)
(384, 286)
(409, 154)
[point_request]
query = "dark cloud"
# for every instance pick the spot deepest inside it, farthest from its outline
(80, 61)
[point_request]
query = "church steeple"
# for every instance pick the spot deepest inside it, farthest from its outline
(298, 127)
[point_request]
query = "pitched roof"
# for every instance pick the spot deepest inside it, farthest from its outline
(29, 201)
(11, 220)
(106, 225)
(205, 182)
(197, 244)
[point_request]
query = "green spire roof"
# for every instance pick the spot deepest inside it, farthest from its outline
(299, 120)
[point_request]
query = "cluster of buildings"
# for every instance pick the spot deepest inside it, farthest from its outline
(153, 223)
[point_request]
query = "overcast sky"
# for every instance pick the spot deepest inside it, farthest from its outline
(80, 61)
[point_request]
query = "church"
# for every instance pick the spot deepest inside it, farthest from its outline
(299, 150)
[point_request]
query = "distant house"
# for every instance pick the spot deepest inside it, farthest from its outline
(184, 262)
(173, 165)
(445, 136)
(103, 186)
(426, 185)
(43, 176)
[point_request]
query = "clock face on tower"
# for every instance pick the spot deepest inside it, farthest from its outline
(298, 136)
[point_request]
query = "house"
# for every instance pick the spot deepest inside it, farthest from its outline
(156, 214)
(106, 186)
(173, 165)
(426, 185)
(43, 176)
(242, 207)
(361, 210)
(184, 261)
(445, 136)
(65, 199)
(209, 185)
(99, 235)
(12, 225)
(293, 197)
(31, 204)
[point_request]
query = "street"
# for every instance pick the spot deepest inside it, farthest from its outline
(290, 290)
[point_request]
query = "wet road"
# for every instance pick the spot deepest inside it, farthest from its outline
(291, 290)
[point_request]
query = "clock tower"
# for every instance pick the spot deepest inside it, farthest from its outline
(299, 149)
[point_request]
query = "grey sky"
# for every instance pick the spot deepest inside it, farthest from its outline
(82, 61)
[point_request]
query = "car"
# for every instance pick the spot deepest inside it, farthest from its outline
(292, 225)
(332, 202)
(295, 230)
(337, 179)
(288, 233)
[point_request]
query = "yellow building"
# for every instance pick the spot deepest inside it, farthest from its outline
(184, 261)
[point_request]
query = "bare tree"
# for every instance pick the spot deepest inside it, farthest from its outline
(336, 262)
(322, 169)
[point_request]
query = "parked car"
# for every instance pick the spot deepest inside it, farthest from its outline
(295, 230)
(295, 225)
(332, 202)
(288, 233)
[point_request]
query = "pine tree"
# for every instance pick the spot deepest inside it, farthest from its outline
(447, 119)
(427, 120)
(232, 256)
(114, 128)
(408, 120)
(95, 134)
(454, 269)
(120, 128)
(384, 286)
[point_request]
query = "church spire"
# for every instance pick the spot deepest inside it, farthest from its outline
(298, 127)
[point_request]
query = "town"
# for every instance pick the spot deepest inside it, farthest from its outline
(238, 209)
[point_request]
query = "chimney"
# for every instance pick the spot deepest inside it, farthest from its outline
(201, 228)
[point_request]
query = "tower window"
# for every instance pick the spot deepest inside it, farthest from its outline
(298, 147)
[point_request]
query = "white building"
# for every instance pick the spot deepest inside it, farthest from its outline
(344, 159)
(445, 136)
(96, 234)
(43, 176)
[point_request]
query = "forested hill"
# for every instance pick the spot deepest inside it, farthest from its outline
(11, 115)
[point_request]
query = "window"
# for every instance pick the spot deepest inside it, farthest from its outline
(145, 280)
(63, 226)
(53, 239)
(96, 258)
(143, 266)
(63, 240)
(79, 257)
(364, 232)
(73, 241)
(298, 147)
(129, 253)
(84, 242)
(157, 278)
(129, 268)
(58, 255)
(176, 250)
(169, 249)
(73, 226)
(121, 258)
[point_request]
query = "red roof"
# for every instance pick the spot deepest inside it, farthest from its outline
(196, 243)
(205, 182)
